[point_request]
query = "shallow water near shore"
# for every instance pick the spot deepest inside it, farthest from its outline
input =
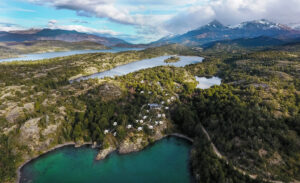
(164, 161)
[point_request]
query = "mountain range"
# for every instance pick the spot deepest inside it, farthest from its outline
(212, 32)
(58, 35)
(216, 31)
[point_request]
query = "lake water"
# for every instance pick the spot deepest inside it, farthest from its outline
(40, 56)
(165, 161)
(205, 83)
(143, 64)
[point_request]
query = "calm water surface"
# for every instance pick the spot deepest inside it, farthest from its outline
(165, 161)
(40, 56)
(143, 64)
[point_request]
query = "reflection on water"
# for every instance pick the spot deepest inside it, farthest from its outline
(143, 64)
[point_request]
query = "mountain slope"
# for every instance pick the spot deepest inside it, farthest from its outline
(215, 31)
(57, 34)
(261, 41)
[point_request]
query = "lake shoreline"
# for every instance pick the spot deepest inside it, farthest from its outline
(146, 63)
(177, 135)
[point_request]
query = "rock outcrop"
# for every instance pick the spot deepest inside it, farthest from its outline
(105, 152)
(30, 133)
(16, 112)
(133, 143)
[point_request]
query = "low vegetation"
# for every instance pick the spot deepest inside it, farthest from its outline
(172, 59)
(252, 117)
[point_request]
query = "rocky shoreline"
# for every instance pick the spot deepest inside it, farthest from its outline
(127, 146)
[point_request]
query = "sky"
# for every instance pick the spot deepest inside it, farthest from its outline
(140, 21)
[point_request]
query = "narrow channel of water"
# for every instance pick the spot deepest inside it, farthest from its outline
(165, 161)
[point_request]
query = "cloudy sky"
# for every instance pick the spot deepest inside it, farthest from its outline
(140, 21)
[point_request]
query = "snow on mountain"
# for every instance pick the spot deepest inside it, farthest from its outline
(216, 31)
(263, 24)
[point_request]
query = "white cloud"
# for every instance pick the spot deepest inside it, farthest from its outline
(153, 18)
(164, 2)
(97, 8)
(233, 12)
(10, 27)
(125, 12)
(52, 24)
(189, 19)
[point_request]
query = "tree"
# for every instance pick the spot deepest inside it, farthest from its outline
(77, 133)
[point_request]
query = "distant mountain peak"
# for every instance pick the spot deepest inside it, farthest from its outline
(216, 31)
(259, 24)
(215, 24)
(264, 21)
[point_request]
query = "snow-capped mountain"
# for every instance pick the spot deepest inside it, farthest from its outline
(215, 31)
(213, 25)
(259, 24)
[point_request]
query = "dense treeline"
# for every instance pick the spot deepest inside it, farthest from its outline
(254, 120)
(207, 167)
(241, 126)
(8, 159)
(101, 115)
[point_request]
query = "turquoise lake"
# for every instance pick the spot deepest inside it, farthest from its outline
(165, 161)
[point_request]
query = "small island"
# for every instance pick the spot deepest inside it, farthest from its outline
(172, 59)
